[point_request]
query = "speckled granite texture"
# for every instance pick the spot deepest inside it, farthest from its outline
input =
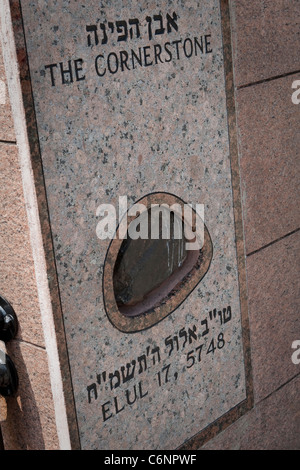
(6, 123)
(131, 117)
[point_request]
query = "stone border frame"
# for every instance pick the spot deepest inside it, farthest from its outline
(224, 421)
(184, 286)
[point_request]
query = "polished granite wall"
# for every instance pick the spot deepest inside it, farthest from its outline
(267, 124)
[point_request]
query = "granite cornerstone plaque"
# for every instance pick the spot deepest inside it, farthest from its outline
(134, 102)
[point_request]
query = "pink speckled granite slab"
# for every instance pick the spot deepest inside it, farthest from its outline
(131, 99)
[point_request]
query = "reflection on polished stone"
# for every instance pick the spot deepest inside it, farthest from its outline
(143, 265)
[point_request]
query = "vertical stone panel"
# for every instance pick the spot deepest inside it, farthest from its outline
(274, 296)
(266, 39)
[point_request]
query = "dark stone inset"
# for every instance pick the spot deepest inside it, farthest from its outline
(143, 265)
